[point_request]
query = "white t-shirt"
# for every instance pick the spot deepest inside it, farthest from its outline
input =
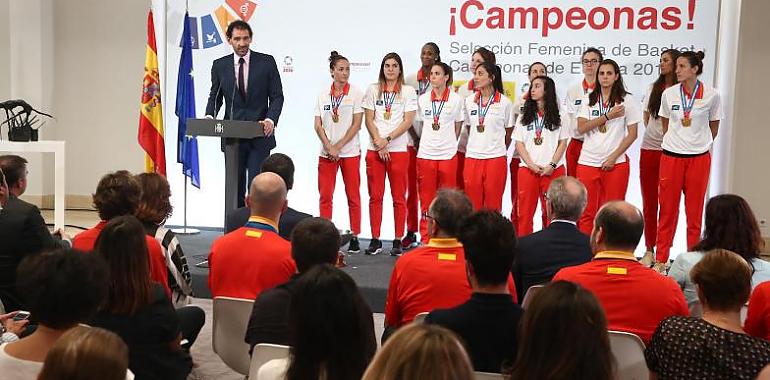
(18, 369)
(696, 138)
(351, 104)
(540, 154)
(411, 80)
(653, 131)
(464, 90)
(571, 105)
(274, 369)
(597, 146)
(491, 142)
(441, 144)
(405, 101)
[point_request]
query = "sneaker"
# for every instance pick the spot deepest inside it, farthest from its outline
(648, 259)
(375, 247)
(354, 247)
(408, 240)
(396, 249)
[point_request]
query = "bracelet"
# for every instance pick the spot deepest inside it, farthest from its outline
(388, 138)
(552, 165)
(606, 117)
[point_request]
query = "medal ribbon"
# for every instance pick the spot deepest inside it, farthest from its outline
(423, 82)
(687, 105)
(336, 101)
(539, 124)
(484, 109)
(441, 101)
(389, 97)
(603, 107)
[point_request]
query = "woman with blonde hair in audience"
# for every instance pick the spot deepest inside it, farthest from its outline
(86, 353)
(564, 336)
(419, 351)
(715, 346)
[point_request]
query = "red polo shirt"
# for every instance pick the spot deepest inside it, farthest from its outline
(86, 240)
(249, 260)
(427, 278)
(758, 316)
(635, 298)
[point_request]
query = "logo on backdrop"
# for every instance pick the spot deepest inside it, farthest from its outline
(218, 128)
(287, 64)
(209, 30)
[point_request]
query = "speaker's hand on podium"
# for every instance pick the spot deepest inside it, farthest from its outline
(268, 126)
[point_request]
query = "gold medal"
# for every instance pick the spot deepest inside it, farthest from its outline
(480, 128)
(436, 126)
(538, 141)
(686, 122)
(335, 117)
(386, 115)
(603, 128)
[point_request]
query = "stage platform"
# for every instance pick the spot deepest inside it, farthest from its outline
(371, 273)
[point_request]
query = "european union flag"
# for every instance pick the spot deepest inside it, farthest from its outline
(187, 147)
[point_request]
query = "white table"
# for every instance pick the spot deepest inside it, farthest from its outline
(57, 148)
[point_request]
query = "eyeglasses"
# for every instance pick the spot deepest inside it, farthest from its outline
(590, 62)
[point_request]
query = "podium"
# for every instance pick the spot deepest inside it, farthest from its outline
(231, 131)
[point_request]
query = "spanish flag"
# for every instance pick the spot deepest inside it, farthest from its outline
(151, 115)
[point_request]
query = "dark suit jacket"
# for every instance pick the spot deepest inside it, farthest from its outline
(22, 232)
(264, 97)
(540, 255)
(289, 219)
(488, 325)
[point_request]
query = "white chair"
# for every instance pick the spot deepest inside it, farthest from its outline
(263, 353)
(531, 292)
(231, 316)
(487, 376)
(628, 350)
(744, 313)
(420, 318)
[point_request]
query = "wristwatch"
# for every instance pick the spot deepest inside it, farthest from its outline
(552, 165)
(388, 138)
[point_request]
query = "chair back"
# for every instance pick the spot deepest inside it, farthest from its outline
(263, 353)
(231, 316)
(487, 376)
(628, 350)
(420, 318)
(531, 292)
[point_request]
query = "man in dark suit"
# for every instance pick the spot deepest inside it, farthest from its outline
(22, 229)
(250, 86)
(282, 165)
(541, 254)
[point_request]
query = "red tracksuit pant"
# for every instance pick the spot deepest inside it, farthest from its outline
(485, 182)
(532, 187)
(412, 196)
(433, 175)
(460, 167)
(602, 187)
(679, 175)
(649, 175)
(395, 169)
(573, 155)
(514, 166)
(351, 176)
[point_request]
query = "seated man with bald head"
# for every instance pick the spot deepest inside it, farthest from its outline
(634, 298)
(254, 257)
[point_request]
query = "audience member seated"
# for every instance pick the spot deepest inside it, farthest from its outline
(329, 338)
(432, 276)
(22, 229)
(541, 254)
(635, 298)
(714, 346)
(564, 337)
(10, 329)
(420, 351)
(282, 165)
(118, 194)
(153, 210)
(136, 308)
(60, 289)
(254, 257)
(487, 323)
(314, 241)
(758, 316)
(730, 224)
(86, 353)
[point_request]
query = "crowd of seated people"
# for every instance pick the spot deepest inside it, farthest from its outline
(117, 304)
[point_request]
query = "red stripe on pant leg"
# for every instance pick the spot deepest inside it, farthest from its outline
(590, 177)
(614, 183)
(528, 183)
(514, 189)
(545, 182)
(327, 178)
(672, 171)
(427, 180)
(696, 181)
(375, 182)
(351, 176)
(460, 166)
(495, 178)
(412, 195)
(649, 174)
(397, 176)
(573, 155)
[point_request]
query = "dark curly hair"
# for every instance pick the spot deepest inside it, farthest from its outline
(155, 204)
(117, 194)
(552, 116)
(62, 288)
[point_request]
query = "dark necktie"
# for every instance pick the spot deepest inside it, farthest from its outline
(241, 83)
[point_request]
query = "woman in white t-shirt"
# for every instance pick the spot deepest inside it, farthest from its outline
(338, 115)
(649, 156)
(489, 114)
(541, 141)
(479, 56)
(608, 119)
(690, 113)
(442, 114)
(389, 109)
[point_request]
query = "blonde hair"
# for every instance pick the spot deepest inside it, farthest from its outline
(420, 351)
(86, 353)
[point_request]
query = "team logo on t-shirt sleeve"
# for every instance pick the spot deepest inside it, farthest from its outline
(473, 112)
(427, 112)
(379, 103)
(595, 113)
(675, 107)
(578, 102)
(327, 107)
